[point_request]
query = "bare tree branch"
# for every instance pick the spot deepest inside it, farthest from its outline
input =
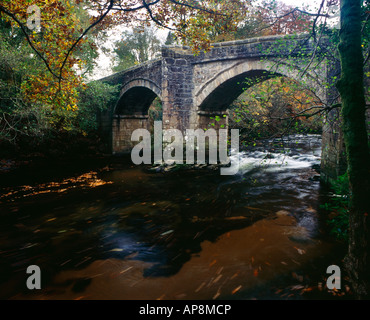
(313, 54)
(111, 2)
(147, 7)
(192, 6)
(291, 12)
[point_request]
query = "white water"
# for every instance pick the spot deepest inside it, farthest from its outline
(289, 155)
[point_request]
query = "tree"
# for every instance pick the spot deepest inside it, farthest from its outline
(351, 90)
(64, 43)
(274, 108)
(135, 47)
(63, 34)
(47, 92)
(279, 18)
(170, 39)
(273, 18)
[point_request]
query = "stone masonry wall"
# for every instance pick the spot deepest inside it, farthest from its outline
(177, 88)
(108, 127)
(184, 81)
(122, 130)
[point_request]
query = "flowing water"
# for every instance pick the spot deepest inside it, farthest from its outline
(120, 231)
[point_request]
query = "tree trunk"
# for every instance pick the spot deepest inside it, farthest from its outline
(351, 90)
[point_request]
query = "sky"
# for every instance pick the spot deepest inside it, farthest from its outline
(301, 3)
(105, 61)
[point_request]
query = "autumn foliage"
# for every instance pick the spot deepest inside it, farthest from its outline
(279, 18)
(56, 88)
(68, 27)
(276, 107)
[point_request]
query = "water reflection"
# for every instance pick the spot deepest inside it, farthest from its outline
(190, 234)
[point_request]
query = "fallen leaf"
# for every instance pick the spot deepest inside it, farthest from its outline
(217, 278)
(212, 263)
(297, 287)
(127, 269)
(300, 251)
(200, 287)
(218, 293)
(278, 291)
(234, 276)
(166, 232)
(236, 290)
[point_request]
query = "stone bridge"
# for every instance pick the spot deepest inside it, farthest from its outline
(194, 88)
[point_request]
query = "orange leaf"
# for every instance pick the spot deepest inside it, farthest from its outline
(212, 263)
(236, 290)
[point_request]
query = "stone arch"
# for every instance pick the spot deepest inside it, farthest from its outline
(131, 112)
(223, 88)
(136, 97)
(215, 96)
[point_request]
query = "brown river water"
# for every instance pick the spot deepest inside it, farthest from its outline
(114, 230)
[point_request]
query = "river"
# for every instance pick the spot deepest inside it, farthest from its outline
(114, 230)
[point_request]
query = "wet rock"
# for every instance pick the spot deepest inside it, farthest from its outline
(316, 167)
(269, 156)
(199, 166)
(170, 167)
(157, 167)
(213, 167)
(282, 213)
(316, 177)
(299, 235)
(293, 153)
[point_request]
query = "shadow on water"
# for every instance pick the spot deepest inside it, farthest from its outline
(122, 232)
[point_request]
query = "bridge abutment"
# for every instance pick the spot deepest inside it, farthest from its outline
(122, 128)
(213, 119)
(333, 155)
